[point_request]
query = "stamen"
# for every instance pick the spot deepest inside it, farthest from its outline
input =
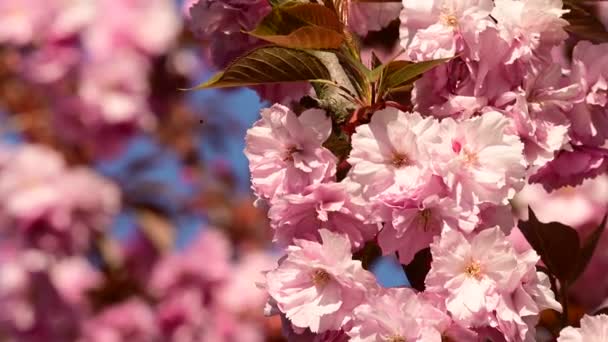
(400, 160)
(320, 277)
(396, 338)
(473, 270)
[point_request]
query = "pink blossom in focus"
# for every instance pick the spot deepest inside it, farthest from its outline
(285, 151)
(325, 205)
(530, 25)
(593, 329)
(485, 282)
(318, 285)
(398, 315)
(411, 222)
(478, 160)
(432, 29)
(390, 151)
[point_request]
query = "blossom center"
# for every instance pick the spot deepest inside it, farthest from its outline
(425, 217)
(320, 277)
(473, 269)
(400, 160)
(470, 158)
(396, 338)
(290, 151)
(449, 20)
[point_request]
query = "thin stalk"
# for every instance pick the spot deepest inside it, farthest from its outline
(564, 301)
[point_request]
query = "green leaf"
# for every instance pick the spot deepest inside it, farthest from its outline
(398, 74)
(583, 23)
(269, 64)
(588, 249)
(357, 74)
(557, 244)
(303, 26)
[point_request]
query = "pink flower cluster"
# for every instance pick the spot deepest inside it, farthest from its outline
(93, 59)
(504, 111)
(184, 299)
(50, 206)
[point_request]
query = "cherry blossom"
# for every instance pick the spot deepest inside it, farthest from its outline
(318, 285)
(285, 151)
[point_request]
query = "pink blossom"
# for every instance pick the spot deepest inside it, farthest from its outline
(390, 152)
(433, 29)
(318, 285)
(365, 17)
(327, 206)
(285, 151)
(411, 222)
(149, 26)
(23, 20)
(51, 206)
(132, 319)
(573, 206)
(593, 329)
(572, 167)
(219, 22)
(485, 282)
(398, 315)
(243, 281)
(590, 118)
(478, 160)
(44, 299)
(539, 113)
(530, 25)
(186, 269)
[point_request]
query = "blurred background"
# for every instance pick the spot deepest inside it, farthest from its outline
(125, 209)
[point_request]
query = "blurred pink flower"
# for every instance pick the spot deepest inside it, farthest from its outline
(368, 16)
(148, 26)
(590, 118)
(51, 206)
(132, 320)
(218, 23)
(593, 329)
(572, 167)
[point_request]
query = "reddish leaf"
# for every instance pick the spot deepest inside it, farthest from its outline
(269, 64)
(588, 249)
(557, 244)
(417, 270)
(301, 26)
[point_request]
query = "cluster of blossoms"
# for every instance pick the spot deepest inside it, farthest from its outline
(52, 298)
(506, 110)
(93, 59)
